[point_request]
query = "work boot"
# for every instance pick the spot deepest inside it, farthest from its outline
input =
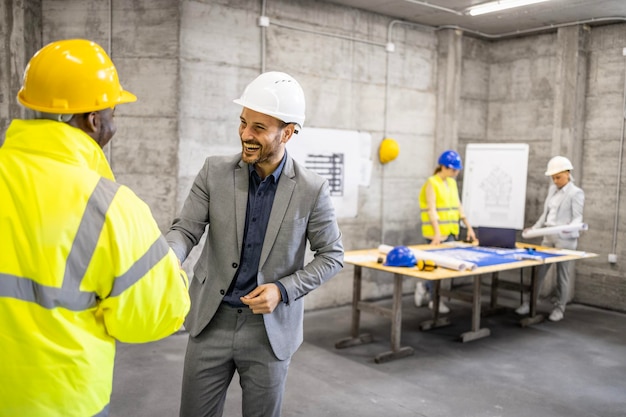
(421, 295)
(556, 315)
(523, 309)
(443, 309)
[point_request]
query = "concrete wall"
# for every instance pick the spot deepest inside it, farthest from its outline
(599, 283)
(562, 93)
(187, 61)
(142, 39)
(347, 86)
(20, 34)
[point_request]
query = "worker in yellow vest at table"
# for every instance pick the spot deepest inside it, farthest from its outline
(82, 261)
(441, 211)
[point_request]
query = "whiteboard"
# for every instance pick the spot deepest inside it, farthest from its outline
(494, 184)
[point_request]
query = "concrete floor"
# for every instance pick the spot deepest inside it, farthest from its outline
(574, 368)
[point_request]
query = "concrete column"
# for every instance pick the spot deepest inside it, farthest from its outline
(569, 107)
(570, 90)
(449, 66)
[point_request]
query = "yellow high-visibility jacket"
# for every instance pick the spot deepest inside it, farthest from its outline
(82, 264)
(447, 202)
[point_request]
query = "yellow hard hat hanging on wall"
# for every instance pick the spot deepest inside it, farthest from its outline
(388, 151)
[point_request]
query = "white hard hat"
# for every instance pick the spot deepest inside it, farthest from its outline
(558, 164)
(276, 94)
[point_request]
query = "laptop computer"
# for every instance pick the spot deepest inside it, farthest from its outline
(496, 237)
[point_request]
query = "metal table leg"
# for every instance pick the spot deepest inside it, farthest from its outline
(496, 284)
(477, 332)
(395, 314)
(396, 351)
(436, 321)
(533, 318)
(495, 281)
(355, 338)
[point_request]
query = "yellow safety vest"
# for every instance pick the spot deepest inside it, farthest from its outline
(82, 264)
(447, 202)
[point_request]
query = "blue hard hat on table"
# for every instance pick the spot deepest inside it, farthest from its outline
(450, 159)
(400, 256)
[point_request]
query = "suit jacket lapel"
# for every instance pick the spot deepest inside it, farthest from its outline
(284, 191)
(551, 191)
(242, 177)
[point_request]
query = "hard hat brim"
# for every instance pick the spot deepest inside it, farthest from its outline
(125, 97)
(283, 117)
(554, 172)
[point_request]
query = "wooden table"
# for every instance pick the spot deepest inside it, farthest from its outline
(369, 258)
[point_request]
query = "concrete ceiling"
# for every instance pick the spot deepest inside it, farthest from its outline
(522, 20)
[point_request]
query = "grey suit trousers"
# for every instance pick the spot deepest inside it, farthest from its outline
(564, 270)
(234, 340)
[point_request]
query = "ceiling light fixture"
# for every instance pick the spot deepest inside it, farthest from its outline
(495, 6)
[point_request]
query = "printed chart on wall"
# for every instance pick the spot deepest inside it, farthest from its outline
(494, 184)
(341, 156)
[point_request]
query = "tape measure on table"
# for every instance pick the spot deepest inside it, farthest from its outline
(426, 265)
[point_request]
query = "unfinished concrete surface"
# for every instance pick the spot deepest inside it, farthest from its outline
(560, 92)
(573, 368)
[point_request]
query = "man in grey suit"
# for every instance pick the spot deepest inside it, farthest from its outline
(261, 208)
(563, 205)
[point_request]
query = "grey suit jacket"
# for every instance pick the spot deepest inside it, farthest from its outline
(570, 210)
(302, 211)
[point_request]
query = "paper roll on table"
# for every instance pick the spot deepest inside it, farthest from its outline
(445, 261)
(441, 260)
(385, 249)
(553, 230)
(524, 257)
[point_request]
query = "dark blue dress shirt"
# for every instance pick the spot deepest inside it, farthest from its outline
(260, 200)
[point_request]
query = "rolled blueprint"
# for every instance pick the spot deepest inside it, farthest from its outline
(385, 249)
(445, 261)
(441, 260)
(553, 230)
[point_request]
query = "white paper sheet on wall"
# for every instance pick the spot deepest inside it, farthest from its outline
(334, 155)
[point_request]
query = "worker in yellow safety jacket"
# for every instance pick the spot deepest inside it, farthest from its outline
(82, 261)
(441, 211)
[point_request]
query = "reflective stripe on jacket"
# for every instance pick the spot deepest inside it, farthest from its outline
(82, 263)
(447, 203)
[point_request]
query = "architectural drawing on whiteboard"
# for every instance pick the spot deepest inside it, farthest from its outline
(330, 166)
(494, 184)
(498, 187)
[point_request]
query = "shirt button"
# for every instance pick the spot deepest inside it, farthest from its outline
(222, 292)
(235, 265)
(239, 311)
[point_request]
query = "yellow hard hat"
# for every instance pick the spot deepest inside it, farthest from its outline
(71, 76)
(388, 151)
